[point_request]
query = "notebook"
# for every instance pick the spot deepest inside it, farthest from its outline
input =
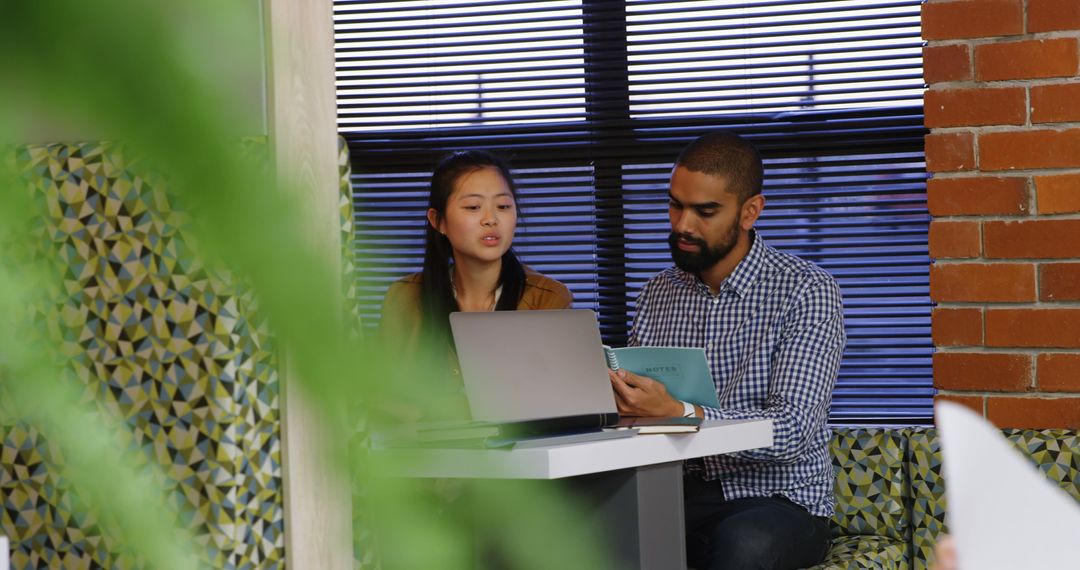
(521, 366)
(683, 371)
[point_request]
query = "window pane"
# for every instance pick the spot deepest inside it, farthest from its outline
(414, 65)
(694, 58)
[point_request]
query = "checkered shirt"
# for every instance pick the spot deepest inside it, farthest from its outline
(773, 335)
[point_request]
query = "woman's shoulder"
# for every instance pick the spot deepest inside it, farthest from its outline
(410, 280)
(538, 280)
(399, 322)
(543, 292)
(406, 289)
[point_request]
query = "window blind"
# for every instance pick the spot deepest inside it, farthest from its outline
(591, 101)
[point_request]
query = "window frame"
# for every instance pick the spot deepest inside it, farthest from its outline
(610, 135)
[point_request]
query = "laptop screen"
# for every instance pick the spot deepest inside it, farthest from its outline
(526, 365)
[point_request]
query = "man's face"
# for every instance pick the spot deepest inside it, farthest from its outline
(705, 219)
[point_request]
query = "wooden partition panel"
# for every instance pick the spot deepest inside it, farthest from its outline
(301, 114)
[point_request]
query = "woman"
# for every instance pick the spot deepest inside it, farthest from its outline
(469, 264)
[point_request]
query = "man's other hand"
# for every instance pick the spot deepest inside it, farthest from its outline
(642, 396)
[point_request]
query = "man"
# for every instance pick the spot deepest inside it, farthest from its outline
(772, 327)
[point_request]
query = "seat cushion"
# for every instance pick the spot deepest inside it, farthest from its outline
(928, 494)
(871, 486)
(1055, 452)
(879, 552)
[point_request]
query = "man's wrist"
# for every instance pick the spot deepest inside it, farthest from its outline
(688, 410)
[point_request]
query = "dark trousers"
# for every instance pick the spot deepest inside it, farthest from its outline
(757, 532)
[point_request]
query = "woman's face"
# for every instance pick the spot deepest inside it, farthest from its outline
(480, 216)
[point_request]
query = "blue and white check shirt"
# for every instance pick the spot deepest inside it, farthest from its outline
(773, 335)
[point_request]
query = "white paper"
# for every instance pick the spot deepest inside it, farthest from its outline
(4, 554)
(1002, 511)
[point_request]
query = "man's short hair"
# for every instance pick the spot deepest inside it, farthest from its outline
(729, 156)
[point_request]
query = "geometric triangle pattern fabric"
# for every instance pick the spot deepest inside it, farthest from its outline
(871, 521)
(928, 495)
(170, 348)
(865, 553)
(346, 210)
(364, 555)
(1056, 453)
(47, 526)
(881, 470)
(871, 486)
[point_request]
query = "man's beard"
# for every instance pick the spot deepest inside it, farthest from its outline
(705, 257)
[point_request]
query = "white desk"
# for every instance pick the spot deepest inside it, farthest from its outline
(632, 486)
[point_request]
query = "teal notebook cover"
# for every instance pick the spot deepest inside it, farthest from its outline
(684, 371)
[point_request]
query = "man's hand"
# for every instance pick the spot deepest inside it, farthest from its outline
(642, 396)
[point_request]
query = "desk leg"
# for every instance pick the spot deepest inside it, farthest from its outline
(640, 510)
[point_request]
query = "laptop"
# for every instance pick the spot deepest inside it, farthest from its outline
(534, 366)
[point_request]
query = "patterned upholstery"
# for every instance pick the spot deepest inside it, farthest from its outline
(871, 525)
(857, 552)
(348, 236)
(1055, 452)
(928, 494)
(363, 539)
(47, 525)
(871, 487)
(170, 348)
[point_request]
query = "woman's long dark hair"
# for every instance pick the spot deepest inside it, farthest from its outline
(436, 291)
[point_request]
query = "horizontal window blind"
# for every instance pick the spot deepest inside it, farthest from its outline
(591, 102)
(556, 223)
(420, 65)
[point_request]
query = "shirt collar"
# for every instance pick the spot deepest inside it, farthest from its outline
(453, 290)
(740, 280)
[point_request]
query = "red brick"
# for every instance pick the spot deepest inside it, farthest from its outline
(1053, 15)
(1029, 149)
(989, 371)
(972, 196)
(1034, 413)
(1029, 59)
(1059, 282)
(955, 240)
(982, 282)
(1033, 328)
(1055, 103)
(1059, 194)
(946, 63)
(950, 151)
(956, 327)
(955, 20)
(975, 403)
(1058, 372)
(975, 107)
(1043, 239)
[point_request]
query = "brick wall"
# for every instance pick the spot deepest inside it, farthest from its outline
(1003, 109)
